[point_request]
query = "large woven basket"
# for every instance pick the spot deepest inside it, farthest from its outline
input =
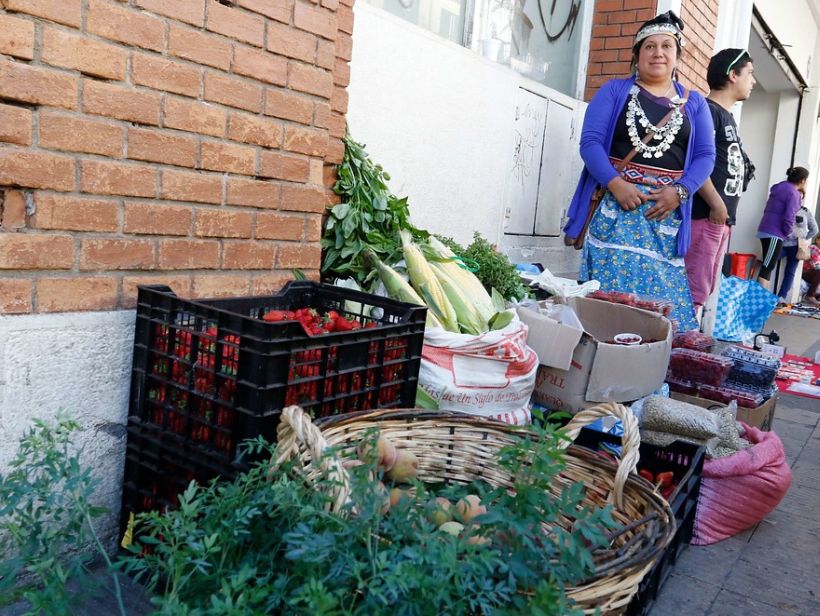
(455, 447)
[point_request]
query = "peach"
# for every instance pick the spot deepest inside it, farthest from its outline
(452, 528)
(469, 507)
(405, 469)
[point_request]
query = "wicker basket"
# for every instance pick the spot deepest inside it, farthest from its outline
(455, 447)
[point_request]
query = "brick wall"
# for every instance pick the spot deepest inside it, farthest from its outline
(613, 31)
(700, 18)
(188, 142)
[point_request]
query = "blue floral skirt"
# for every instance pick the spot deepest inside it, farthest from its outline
(626, 252)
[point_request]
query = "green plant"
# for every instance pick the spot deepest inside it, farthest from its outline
(369, 216)
(267, 543)
(495, 271)
(47, 522)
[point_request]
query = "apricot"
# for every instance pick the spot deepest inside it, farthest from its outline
(405, 469)
(440, 511)
(385, 454)
(452, 528)
(396, 494)
(469, 507)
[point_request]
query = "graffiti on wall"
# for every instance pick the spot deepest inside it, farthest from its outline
(560, 18)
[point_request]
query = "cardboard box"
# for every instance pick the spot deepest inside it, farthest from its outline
(580, 368)
(760, 417)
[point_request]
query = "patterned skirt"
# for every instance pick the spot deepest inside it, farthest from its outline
(626, 252)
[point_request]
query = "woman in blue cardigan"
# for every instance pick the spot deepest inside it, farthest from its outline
(639, 233)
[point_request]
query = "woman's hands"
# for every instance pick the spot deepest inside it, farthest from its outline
(666, 201)
(626, 194)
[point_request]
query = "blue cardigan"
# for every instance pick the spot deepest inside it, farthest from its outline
(596, 140)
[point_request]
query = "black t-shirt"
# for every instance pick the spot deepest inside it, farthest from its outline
(727, 175)
(655, 109)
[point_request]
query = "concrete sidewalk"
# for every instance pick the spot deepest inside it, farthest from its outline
(773, 568)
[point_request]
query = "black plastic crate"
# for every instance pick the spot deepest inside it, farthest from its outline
(215, 373)
(686, 462)
(160, 465)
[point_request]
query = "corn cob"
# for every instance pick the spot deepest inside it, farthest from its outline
(426, 283)
(398, 288)
(469, 319)
(465, 280)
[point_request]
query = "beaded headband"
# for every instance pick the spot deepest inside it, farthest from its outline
(653, 29)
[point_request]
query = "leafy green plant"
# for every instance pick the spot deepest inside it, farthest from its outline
(47, 534)
(268, 543)
(495, 271)
(369, 216)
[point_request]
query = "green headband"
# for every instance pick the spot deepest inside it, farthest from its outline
(733, 62)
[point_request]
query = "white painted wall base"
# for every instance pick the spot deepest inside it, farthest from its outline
(79, 363)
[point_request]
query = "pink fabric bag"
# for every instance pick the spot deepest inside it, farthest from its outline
(740, 490)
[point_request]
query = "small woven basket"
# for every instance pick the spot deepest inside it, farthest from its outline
(461, 448)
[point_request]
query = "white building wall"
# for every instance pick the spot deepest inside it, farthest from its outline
(79, 364)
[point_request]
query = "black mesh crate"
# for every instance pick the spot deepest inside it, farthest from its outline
(686, 463)
(214, 373)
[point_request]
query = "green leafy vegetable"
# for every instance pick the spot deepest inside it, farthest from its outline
(495, 271)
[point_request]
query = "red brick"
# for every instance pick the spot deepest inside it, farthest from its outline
(15, 296)
(321, 115)
(279, 10)
(326, 54)
(220, 285)
(19, 167)
(260, 64)
(15, 124)
(253, 193)
(296, 198)
(339, 100)
(249, 255)
(189, 11)
(305, 141)
(38, 85)
(199, 47)
(313, 228)
(12, 210)
(116, 254)
(235, 24)
(288, 106)
(222, 223)
(162, 146)
(125, 25)
(233, 92)
(178, 254)
(314, 20)
(109, 178)
(287, 41)
(337, 125)
(229, 157)
(78, 134)
(62, 212)
(335, 151)
(161, 73)
(269, 283)
(25, 251)
(344, 47)
(76, 293)
(310, 79)
(191, 186)
(156, 218)
(283, 166)
(181, 285)
(299, 255)
(121, 102)
(276, 226)
(194, 117)
(344, 19)
(638, 4)
(253, 129)
(16, 37)
(61, 48)
(341, 72)
(67, 12)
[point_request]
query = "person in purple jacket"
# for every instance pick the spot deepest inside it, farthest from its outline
(778, 219)
(640, 231)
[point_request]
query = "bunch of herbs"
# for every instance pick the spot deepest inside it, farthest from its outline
(369, 217)
(268, 543)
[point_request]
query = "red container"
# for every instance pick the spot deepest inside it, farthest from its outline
(742, 264)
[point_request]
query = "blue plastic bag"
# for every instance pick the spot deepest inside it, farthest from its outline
(743, 307)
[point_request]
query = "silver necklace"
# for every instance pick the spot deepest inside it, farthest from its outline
(664, 135)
